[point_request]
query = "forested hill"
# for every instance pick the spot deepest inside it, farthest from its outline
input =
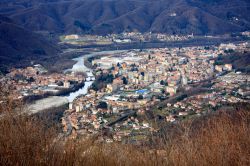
(115, 16)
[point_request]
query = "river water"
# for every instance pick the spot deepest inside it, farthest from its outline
(57, 101)
(80, 67)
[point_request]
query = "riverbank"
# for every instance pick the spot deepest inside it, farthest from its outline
(200, 41)
(81, 66)
(61, 92)
(47, 103)
(58, 101)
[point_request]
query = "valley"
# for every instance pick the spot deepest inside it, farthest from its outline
(165, 84)
(124, 82)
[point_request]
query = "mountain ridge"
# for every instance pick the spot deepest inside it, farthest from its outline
(19, 46)
(115, 16)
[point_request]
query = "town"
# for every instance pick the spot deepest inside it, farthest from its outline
(124, 82)
(134, 37)
(128, 93)
(123, 38)
(170, 83)
(35, 82)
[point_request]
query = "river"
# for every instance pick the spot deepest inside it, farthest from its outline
(57, 101)
(80, 67)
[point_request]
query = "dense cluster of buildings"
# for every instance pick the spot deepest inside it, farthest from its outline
(36, 81)
(138, 86)
(233, 87)
(142, 79)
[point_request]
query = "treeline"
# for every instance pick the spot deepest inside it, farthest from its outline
(240, 61)
(102, 80)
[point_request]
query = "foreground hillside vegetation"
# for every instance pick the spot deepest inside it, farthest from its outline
(221, 138)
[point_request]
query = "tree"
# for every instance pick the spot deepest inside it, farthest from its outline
(102, 105)
(31, 79)
(140, 97)
(162, 82)
(125, 81)
(181, 97)
(60, 83)
(206, 47)
(94, 87)
(149, 56)
(229, 51)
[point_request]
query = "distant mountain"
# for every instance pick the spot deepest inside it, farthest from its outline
(18, 46)
(116, 16)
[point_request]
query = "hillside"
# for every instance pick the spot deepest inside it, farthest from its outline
(221, 138)
(240, 61)
(19, 46)
(109, 16)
